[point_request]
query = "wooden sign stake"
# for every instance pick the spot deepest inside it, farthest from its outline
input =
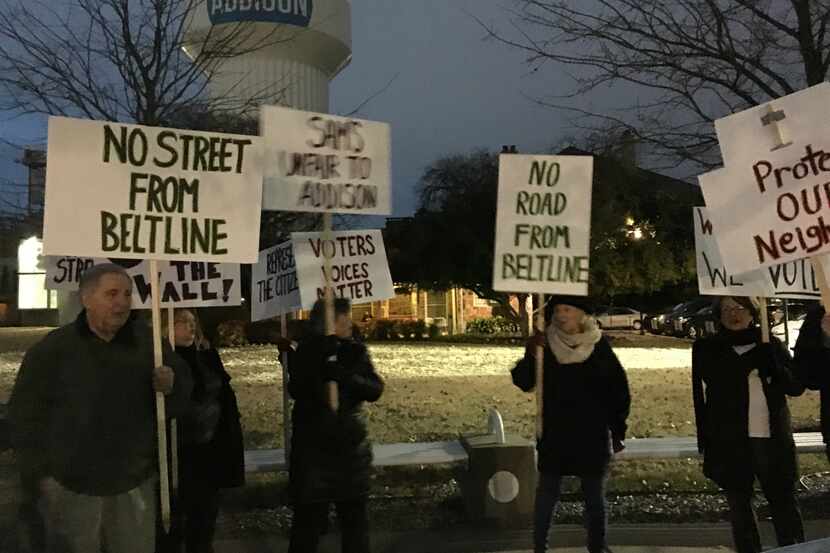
(818, 268)
(540, 369)
(286, 401)
(332, 393)
(161, 416)
(174, 427)
(764, 312)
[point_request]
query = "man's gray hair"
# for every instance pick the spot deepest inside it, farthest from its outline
(92, 276)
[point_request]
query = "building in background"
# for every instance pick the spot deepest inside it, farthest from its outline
(449, 310)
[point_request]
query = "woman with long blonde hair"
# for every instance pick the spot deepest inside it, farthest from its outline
(211, 455)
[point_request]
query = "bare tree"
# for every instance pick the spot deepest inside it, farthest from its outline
(686, 62)
(120, 60)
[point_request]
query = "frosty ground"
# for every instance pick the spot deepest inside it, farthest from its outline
(436, 391)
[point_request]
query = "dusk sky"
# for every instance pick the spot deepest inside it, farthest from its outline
(455, 91)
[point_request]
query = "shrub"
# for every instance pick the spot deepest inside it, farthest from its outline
(385, 329)
(378, 329)
(232, 334)
(411, 330)
(492, 325)
(482, 326)
(264, 332)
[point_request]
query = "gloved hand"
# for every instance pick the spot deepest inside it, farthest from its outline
(331, 345)
(284, 345)
(534, 342)
(617, 445)
(825, 324)
(332, 369)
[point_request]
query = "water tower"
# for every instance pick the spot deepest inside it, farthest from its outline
(293, 46)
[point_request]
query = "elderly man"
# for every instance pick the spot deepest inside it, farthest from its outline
(83, 421)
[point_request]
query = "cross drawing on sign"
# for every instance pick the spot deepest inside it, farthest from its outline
(773, 118)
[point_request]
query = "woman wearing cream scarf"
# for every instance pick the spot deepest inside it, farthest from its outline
(586, 403)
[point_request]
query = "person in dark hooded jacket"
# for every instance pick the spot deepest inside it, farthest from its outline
(331, 455)
(812, 359)
(740, 387)
(585, 406)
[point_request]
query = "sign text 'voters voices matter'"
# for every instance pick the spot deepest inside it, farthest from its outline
(770, 203)
(325, 163)
(137, 192)
(359, 268)
(183, 284)
(791, 280)
(543, 225)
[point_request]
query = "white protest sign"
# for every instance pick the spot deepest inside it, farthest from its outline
(543, 224)
(185, 284)
(359, 268)
(771, 201)
(274, 288)
(325, 163)
(136, 192)
(793, 280)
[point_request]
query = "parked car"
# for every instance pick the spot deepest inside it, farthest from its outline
(701, 324)
(677, 322)
(620, 317)
(656, 323)
(795, 308)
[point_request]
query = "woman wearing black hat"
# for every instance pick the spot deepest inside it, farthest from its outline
(586, 404)
(740, 388)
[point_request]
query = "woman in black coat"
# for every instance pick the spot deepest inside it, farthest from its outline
(211, 454)
(585, 407)
(812, 359)
(740, 387)
(331, 455)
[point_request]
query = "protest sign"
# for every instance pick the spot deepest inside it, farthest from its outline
(184, 284)
(137, 192)
(274, 287)
(359, 268)
(770, 202)
(325, 163)
(543, 224)
(792, 280)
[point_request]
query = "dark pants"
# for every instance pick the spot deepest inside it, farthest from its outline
(548, 493)
(786, 516)
(310, 519)
(194, 515)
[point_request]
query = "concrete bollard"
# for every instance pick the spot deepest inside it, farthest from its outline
(499, 484)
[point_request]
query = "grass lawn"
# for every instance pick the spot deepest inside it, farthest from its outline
(436, 392)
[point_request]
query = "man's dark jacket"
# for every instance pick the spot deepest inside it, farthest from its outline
(83, 410)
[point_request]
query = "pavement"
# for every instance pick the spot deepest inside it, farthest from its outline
(644, 538)
(625, 549)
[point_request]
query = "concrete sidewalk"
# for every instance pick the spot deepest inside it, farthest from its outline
(227, 547)
(630, 538)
